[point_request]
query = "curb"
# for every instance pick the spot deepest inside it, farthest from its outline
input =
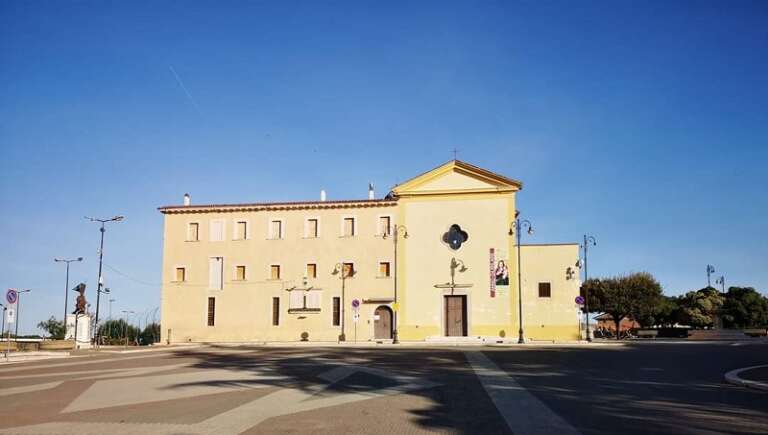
(733, 378)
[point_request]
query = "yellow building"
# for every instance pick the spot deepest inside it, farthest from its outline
(435, 258)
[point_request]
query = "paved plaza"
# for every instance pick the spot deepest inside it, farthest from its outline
(674, 388)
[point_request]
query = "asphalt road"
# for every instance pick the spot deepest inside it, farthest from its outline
(601, 389)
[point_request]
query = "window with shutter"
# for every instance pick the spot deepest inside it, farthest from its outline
(313, 300)
(181, 274)
(349, 227)
(275, 311)
(217, 230)
(276, 229)
(312, 225)
(274, 271)
(241, 232)
(311, 270)
(349, 270)
(216, 273)
(384, 225)
(211, 311)
(296, 301)
(193, 232)
(384, 269)
(336, 311)
(240, 273)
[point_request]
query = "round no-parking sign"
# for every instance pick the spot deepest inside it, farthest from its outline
(11, 296)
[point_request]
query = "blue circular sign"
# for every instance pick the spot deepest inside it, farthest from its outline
(580, 300)
(11, 296)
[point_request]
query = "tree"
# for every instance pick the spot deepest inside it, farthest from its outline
(53, 327)
(636, 295)
(700, 308)
(150, 334)
(744, 307)
(115, 331)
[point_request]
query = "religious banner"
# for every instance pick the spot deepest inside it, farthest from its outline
(499, 272)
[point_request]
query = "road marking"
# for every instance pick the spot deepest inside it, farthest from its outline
(29, 388)
(523, 412)
(157, 354)
(239, 419)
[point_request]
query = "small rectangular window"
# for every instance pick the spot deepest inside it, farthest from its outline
(181, 274)
(545, 290)
(311, 270)
(193, 232)
(211, 311)
(349, 270)
(276, 230)
(349, 227)
(312, 228)
(274, 271)
(240, 273)
(336, 311)
(384, 225)
(241, 230)
(275, 311)
(384, 269)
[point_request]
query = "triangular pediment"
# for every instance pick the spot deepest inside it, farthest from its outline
(457, 177)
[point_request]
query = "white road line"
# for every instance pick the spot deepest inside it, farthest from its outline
(523, 412)
(29, 388)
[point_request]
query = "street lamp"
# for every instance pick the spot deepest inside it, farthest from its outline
(710, 271)
(66, 286)
(101, 256)
(2, 330)
(721, 281)
(519, 225)
(398, 230)
(341, 269)
(18, 310)
(587, 241)
(126, 312)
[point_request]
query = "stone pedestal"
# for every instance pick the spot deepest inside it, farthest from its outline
(83, 338)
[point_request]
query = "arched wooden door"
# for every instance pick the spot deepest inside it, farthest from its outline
(382, 323)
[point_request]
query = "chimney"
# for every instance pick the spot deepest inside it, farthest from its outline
(322, 195)
(370, 191)
(187, 199)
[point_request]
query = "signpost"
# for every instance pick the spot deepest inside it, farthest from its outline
(356, 315)
(12, 298)
(580, 300)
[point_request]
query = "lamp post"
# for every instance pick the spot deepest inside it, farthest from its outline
(398, 230)
(519, 225)
(721, 281)
(126, 312)
(101, 256)
(710, 271)
(339, 269)
(66, 286)
(18, 311)
(2, 331)
(587, 241)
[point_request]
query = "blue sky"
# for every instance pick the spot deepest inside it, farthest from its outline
(643, 123)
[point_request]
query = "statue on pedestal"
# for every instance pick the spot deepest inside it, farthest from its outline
(80, 303)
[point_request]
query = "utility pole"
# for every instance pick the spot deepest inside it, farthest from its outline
(710, 271)
(101, 257)
(585, 246)
(18, 310)
(66, 286)
(398, 231)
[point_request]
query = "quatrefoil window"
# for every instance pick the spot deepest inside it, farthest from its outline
(455, 237)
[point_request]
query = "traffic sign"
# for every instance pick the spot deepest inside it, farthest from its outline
(355, 303)
(580, 300)
(11, 296)
(10, 315)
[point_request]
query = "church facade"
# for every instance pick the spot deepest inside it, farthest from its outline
(436, 259)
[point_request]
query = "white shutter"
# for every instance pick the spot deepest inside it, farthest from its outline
(297, 300)
(313, 299)
(215, 273)
(217, 230)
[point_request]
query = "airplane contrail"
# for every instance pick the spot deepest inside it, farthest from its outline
(184, 88)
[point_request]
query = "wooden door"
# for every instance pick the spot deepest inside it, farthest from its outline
(382, 323)
(456, 316)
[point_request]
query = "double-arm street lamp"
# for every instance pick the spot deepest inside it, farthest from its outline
(18, 310)
(66, 286)
(341, 268)
(126, 312)
(398, 230)
(710, 271)
(516, 230)
(101, 256)
(721, 281)
(587, 241)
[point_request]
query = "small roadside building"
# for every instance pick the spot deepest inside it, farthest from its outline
(436, 257)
